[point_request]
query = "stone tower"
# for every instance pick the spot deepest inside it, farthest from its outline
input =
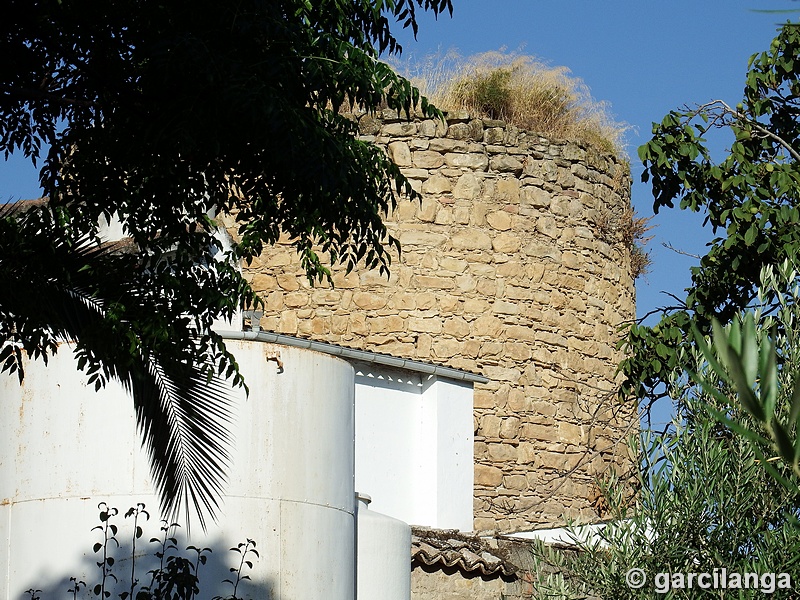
(514, 266)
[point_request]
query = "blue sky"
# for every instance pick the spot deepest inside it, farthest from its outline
(645, 58)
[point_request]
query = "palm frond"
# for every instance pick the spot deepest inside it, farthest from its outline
(77, 289)
(184, 419)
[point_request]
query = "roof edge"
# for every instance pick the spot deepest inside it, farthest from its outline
(354, 354)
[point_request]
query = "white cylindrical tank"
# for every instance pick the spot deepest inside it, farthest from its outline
(65, 448)
(383, 555)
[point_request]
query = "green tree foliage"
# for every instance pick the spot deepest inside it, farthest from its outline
(705, 500)
(166, 115)
(719, 489)
(705, 504)
(757, 357)
(751, 200)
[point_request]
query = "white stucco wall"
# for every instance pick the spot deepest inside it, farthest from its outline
(414, 440)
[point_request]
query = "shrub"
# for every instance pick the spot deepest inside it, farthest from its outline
(166, 573)
(521, 90)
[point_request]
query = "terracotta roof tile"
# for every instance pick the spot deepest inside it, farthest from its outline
(449, 548)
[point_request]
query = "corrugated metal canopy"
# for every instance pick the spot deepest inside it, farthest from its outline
(354, 354)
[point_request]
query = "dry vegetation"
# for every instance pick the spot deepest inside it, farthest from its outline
(632, 231)
(520, 90)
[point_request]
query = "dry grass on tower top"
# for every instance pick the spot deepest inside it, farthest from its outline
(521, 90)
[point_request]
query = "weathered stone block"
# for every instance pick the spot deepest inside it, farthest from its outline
(437, 184)
(503, 163)
(499, 220)
(424, 343)
(489, 426)
(391, 324)
(358, 324)
(547, 226)
(446, 348)
(427, 159)
(518, 401)
(483, 399)
(517, 351)
(265, 283)
(494, 135)
(427, 281)
(295, 299)
(515, 482)
(487, 325)
(456, 326)
(288, 322)
(572, 434)
(509, 428)
(345, 281)
(485, 524)
(507, 190)
(412, 173)
(507, 243)
(429, 325)
(447, 145)
(402, 301)
(503, 307)
(368, 301)
(369, 125)
(444, 216)
(416, 237)
(502, 452)
(400, 154)
(491, 349)
(274, 302)
(478, 162)
(427, 211)
(536, 197)
(427, 128)
(399, 129)
(326, 297)
(455, 265)
(468, 187)
(502, 374)
(471, 239)
(460, 131)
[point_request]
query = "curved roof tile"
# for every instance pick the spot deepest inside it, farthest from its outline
(449, 548)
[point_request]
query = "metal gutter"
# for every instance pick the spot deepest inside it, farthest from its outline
(353, 354)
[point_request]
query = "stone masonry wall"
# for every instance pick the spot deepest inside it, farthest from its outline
(513, 266)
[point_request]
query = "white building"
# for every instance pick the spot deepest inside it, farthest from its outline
(321, 424)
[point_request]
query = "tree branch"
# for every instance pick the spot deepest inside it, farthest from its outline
(727, 110)
(28, 94)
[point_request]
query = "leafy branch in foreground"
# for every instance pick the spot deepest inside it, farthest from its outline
(705, 503)
(757, 357)
(751, 200)
(112, 301)
(718, 490)
(162, 115)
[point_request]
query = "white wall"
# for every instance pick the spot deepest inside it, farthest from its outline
(64, 448)
(414, 443)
